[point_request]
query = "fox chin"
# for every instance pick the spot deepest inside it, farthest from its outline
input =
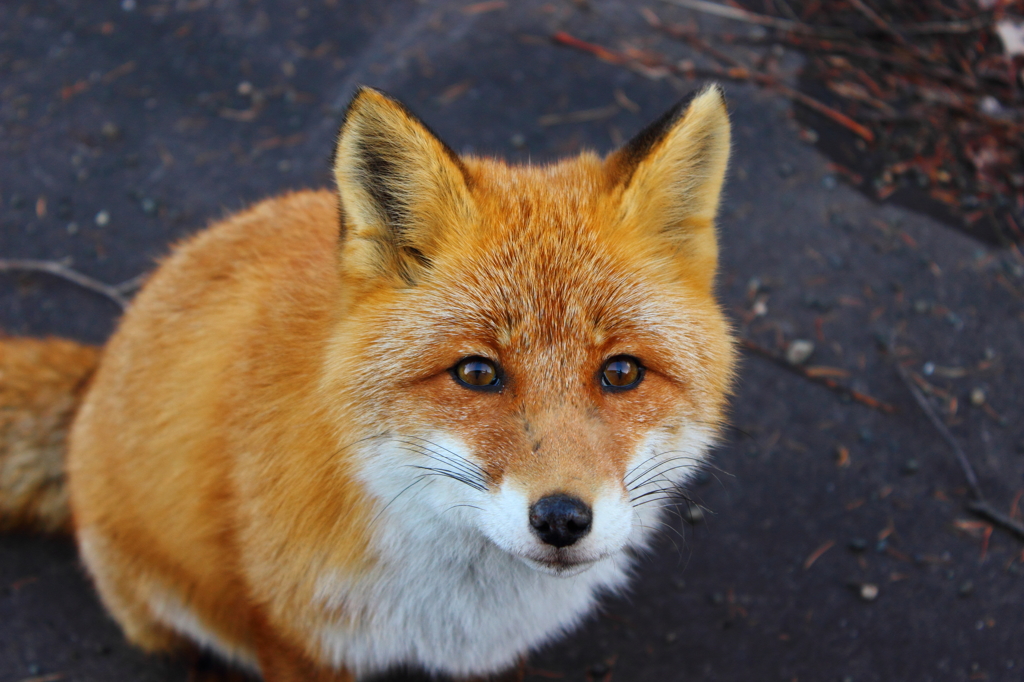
(424, 419)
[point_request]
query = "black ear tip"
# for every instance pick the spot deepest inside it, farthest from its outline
(716, 90)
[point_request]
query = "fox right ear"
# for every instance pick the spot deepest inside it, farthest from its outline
(402, 190)
(670, 179)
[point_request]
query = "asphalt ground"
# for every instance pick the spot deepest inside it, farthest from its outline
(126, 126)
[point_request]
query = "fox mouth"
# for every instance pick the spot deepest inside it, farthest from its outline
(562, 566)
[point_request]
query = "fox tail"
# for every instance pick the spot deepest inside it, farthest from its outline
(41, 384)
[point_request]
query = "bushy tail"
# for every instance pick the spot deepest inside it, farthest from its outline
(41, 385)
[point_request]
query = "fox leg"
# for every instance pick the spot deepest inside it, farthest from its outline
(281, 661)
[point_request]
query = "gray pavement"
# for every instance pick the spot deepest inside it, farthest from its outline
(144, 115)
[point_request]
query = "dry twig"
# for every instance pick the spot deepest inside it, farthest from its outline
(116, 293)
(825, 381)
(979, 506)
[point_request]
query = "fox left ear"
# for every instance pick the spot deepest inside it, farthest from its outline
(671, 176)
(402, 190)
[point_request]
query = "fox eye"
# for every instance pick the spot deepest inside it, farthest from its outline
(622, 373)
(477, 373)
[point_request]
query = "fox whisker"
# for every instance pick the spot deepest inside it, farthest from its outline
(631, 479)
(431, 471)
(655, 476)
(452, 453)
(419, 479)
(478, 481)
(458, 463)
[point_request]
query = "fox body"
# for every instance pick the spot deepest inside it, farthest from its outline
(423, 421)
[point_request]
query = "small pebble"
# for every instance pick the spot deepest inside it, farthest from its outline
(868, 592)
(921, 306)
(966, 589)
(990, 105)
(72, 228)
(244, 88)
(110, 130)
(977, 396)
(148, 205)
(518, 140)
(102, 218)
(928, 369)
(910, 467)
(693, 514)
(857, 544)
(829, 182)
(799, 351)
(128, 5)
(808, 135)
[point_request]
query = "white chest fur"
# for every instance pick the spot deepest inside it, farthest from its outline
(448, 600)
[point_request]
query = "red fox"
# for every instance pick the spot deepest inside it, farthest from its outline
(424, 421)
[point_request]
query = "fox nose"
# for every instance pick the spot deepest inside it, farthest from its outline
(560, 520)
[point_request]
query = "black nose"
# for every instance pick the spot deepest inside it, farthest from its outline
(560, 520)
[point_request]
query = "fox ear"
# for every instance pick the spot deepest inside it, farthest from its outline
(671, 176)
(400, 188)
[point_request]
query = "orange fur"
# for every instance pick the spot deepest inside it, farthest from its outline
(41, 382)
(214, 463)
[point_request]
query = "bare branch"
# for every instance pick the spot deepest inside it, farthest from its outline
(56, 269)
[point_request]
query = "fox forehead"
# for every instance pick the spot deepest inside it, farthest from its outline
(544, 265)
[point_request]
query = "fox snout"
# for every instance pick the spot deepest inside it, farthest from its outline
(560, 520)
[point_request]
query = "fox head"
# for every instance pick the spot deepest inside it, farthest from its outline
(530, 354)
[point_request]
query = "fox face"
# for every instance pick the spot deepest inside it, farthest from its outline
(532, 355)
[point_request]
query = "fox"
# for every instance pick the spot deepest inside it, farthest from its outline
(425, 420)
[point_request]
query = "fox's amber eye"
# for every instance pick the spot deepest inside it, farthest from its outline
(622, 372)
(478, 373)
